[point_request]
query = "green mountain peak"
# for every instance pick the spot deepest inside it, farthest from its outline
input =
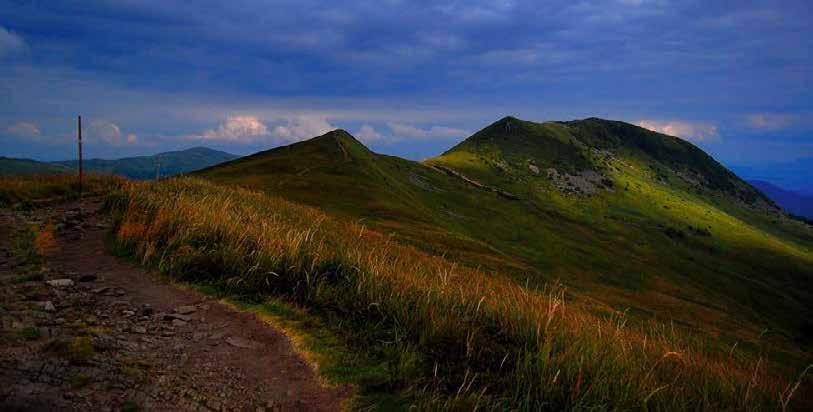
(521, 148)
(608, 207)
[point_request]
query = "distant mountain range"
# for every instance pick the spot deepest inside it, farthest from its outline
(795, 176)
(11, 166)
(796, 203)
(789, 184)
(139, 167)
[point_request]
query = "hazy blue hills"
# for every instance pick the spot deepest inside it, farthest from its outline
(796, 203)
(10, 166)
(795, 176)
(139, 167)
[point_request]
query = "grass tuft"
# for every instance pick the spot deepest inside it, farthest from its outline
(30, 333)
(31, 191)
(454, 338)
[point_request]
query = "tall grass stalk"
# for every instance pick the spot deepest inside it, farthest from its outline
(492, 343)
(31, 191)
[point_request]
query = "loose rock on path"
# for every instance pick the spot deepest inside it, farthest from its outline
(83, 330)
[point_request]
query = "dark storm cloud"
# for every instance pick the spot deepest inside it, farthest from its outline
(177, 68)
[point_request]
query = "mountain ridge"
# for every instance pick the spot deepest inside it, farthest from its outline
(587, 206)
(573, 145)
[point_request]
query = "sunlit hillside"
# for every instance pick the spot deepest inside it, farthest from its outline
(446, 336)
(630, 220)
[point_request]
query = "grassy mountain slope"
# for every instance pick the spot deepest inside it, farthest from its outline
(338, 174)
(144, 167)
(418, 332)
(327, 167)
(664, 229)
(629, 219)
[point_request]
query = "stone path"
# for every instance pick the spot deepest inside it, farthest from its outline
(83, 330)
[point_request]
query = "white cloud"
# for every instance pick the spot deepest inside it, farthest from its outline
(10, 42)
(101, 131)
(697, 132)
(243, 129)
(25, 130)
(368, 134)
(104, 131)
(408, 130)
(302, 127)
(250, 129)
(439, 132)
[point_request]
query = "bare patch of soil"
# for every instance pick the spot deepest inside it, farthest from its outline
(83, 330)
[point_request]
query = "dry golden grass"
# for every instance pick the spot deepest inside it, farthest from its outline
(514, 346)
(33, 190)
(45, 240)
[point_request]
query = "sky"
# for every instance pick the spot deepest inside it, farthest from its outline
(408, 78)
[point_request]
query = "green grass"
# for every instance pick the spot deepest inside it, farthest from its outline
(80, 380)
(30, 277)
(30, 333)
(77, 350)
(130, 406)
(80, 350)
(326, 340)
(732, 273)
(24, 254)
(452, 337)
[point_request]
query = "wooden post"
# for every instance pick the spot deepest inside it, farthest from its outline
(79, 134)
